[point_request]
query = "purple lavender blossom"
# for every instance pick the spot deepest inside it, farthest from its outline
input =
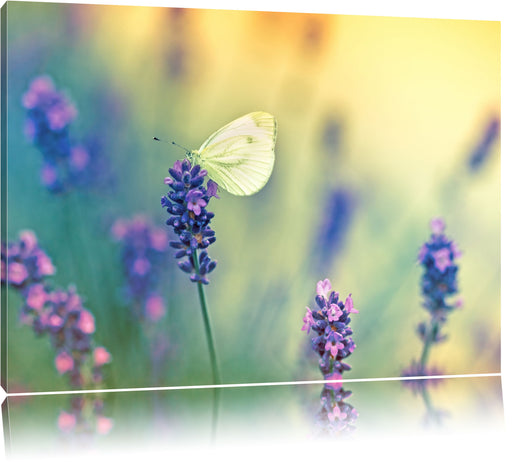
(66, 164)
(57, 313)
(24, 263)
(438, 285)
(143, 255)
(186, 203)
(439, 280)
(308, 320)
(330, 321)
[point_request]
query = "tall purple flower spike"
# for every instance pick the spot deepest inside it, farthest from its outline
(439, 281)
(186, 202)
(330, 320)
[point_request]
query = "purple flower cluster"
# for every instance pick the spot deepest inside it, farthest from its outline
(143, 255)
(331, 323)
(336, 416)
(24, 263)
(186, 203)
(49, 115)
(58, 313)
(439, 280)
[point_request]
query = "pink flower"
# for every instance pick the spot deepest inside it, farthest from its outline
(442, 259)
(422, 253)
(17, 273)
(119, 229)
(29, 240)
(86, 322)
(101, 356)
(66, 421)
(336, 414)
(333, 346)
(141, 266)
(45, 265)
(335, 385)
(103, 425)
(155, 308)
(158, 240)
(55, 321)
(349, 305)
(64, 362)
(437, 225)
(48, 175)
(455, 250)
(39, 87)
(79, 158)
(334, 312)
(60, 114)
(323, 288)
(309, 321)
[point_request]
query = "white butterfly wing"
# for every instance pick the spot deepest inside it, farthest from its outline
(239, 157)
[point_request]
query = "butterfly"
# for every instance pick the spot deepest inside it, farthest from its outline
(239, 157)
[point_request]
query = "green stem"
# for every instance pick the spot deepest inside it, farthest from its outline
(211, 347)
(428, 343)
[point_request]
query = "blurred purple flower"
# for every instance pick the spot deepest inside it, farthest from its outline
(336, 218)
(143, 251)
(24, 263)
(439, 280)
(66, 165)
(482, 150)
(57, 313)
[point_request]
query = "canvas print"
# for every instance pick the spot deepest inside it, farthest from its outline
(205, 197)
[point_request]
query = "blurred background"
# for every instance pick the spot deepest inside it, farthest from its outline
(383, 124)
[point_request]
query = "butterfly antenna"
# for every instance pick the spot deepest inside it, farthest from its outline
(171, 142)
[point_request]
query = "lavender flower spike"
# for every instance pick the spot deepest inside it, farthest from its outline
(439, 281)
(438, 258)
(186, 203)
(330, 321)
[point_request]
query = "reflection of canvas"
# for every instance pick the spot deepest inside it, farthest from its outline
(288, 418)
(384, 124)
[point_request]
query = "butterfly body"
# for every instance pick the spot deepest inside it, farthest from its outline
(239, 157)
